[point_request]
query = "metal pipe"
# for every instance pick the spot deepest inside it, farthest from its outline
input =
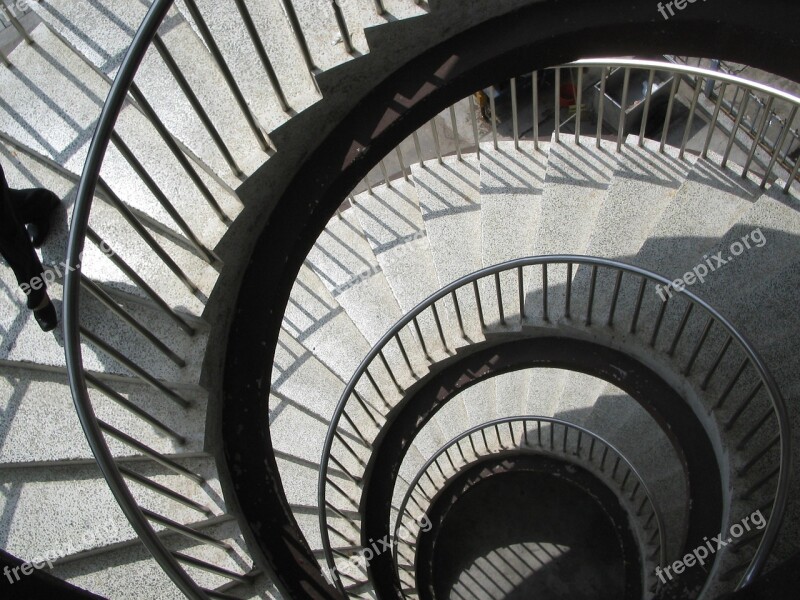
(623, 114)
(762, 130)
(648, 97)
(690, 120)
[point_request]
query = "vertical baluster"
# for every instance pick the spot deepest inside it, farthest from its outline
(454, 125)
(521, 288)
(493, 109)
(437, 145)
(768, 114)
(687, 313)
(735, 130)
(545, 315)
(402, 162)
(474, 120)
(418, 148)
(690, 119)
(601, 105)
(638, 309)
(623, 115)
(459, 318)
(592, 289)
(514, 112)
(648, 97)
(614, 299)
(255, 39)
(568, 299)
(341, 22)
(211, 44)
(779, 146)
(478, 303)
(673, 90)
(578, 109)
(557, 107)
(714, 119)
(535, 113)
(500, 308)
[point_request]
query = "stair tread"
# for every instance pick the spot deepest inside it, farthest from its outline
(512, 182)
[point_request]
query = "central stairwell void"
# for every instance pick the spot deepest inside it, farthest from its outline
(400, 299)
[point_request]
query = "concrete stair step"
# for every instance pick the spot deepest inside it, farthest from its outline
(33, 396)
(232, 38)
(512, 182)
(511, 391)
(23, 341)
(576, 182)
(544, 390)
(449, 196)
(26, 170)
(344, 261)
(125, 571)
(579, 397)
(79, 23)
(693, 222)
(644, 183)
(102, 33)
(392, 222)
(480, 402)
(314, 318)
(395, 10)
(769, 228)
(41, 504)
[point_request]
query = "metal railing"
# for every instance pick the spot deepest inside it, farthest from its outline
(525, 434)
(651, 112)
(781, 129)
(124, 92)
(613, 296)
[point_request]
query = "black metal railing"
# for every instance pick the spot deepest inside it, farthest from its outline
(125, 93)
(527, 434)
(548, 294)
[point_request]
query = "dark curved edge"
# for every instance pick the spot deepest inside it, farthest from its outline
(504, 462)
(39, 584)
(546, 33)
(432, 392)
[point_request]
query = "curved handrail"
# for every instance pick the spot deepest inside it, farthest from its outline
(778, 405)
(72, 335)
(524, 448)
(91, 182)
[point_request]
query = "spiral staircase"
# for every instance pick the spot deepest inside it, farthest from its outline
(283, 347)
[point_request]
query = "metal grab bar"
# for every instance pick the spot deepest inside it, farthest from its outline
(651, 516)
(377, 356)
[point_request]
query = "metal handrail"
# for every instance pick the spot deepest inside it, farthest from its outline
(695, 75)
(517, 267)
(525, 447)
(72, 337)
(124, 90)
